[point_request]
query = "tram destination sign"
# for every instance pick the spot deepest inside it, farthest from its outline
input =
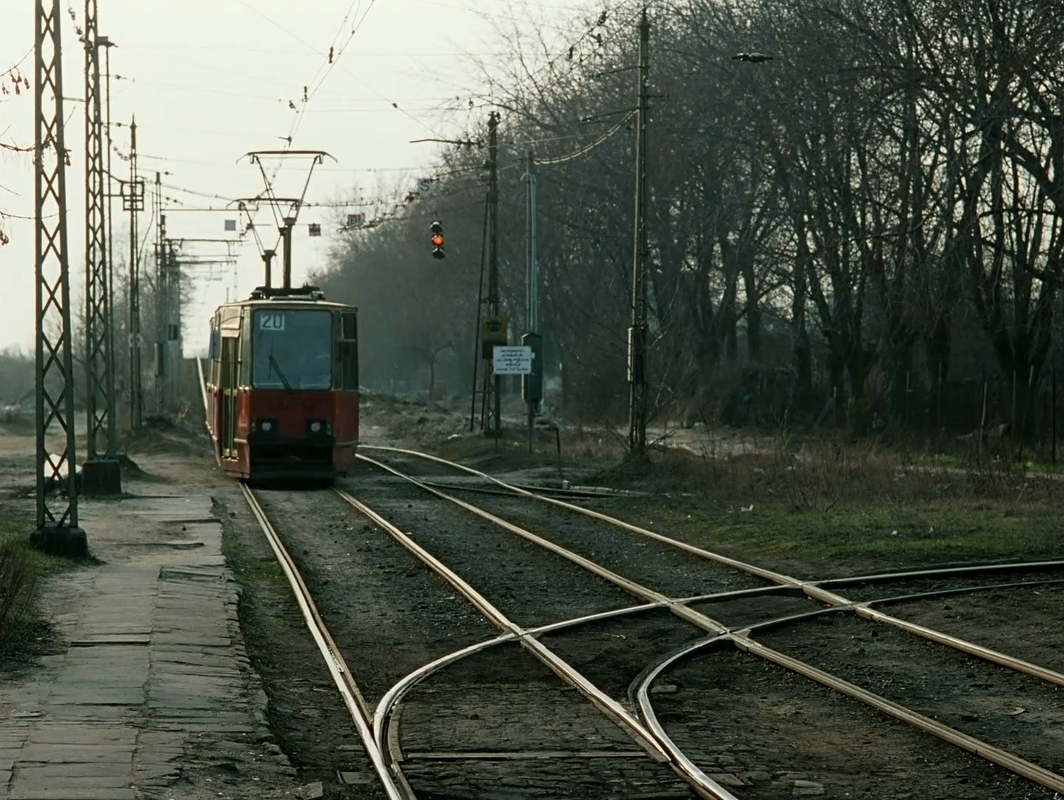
(512, 360)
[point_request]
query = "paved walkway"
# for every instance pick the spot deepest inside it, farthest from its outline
(154, 695)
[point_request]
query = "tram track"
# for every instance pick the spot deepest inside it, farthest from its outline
(817, 590)
(512, 633)
(394, 786)
(373, 727)
(744, 642)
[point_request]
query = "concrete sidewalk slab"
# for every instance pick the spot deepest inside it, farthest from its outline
(154, 689)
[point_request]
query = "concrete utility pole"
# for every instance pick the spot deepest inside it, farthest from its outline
(174, 342)
(133, 202)
(57, 516)
(100, 475)
(637, 333)
(162, 298)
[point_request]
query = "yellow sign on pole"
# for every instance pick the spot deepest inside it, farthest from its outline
(493, 332)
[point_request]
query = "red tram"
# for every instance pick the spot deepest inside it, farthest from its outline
(282, 386)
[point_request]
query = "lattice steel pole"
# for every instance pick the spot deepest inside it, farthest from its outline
(100, 475)
(57, 510)
(112, 423)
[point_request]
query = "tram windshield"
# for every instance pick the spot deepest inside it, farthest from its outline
(291, 349)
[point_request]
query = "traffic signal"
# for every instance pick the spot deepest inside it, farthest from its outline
(437, 239)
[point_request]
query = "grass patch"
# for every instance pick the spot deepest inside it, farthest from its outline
(832, 508)
(512, 453)
(24, 633)
(865, 537)
(815, 506)
(948, 460)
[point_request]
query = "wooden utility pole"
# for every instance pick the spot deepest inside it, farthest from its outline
(493, 252)
(493, 321)
(637, 333)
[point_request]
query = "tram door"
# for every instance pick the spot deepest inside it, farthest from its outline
(228, 388)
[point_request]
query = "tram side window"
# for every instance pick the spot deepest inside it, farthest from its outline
(214, 354)
(349, 352)
(245, 349)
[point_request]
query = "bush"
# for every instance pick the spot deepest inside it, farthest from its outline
(17, 578)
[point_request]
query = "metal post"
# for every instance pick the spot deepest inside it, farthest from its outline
(637, 333)
(57, 515)
(267, 260)
(286, 238)
(135, 201)
(100, 476)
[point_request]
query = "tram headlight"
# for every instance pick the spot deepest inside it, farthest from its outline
(319, 427)
(265, 426)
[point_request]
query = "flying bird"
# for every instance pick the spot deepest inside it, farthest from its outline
(753, 58)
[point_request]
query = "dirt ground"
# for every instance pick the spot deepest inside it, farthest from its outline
(762, 732)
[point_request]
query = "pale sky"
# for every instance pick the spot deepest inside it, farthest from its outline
(209, 82)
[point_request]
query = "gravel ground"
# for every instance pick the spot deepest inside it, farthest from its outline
(651, 563)
(1002, 707)
(306, 717)
(517, 576)
(1027, 623)
(613, 652)
(501, 725)
(786, 736)
(744, 611)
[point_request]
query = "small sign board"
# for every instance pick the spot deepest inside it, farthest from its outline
(512, 360)
(426, 186)
(494, 332)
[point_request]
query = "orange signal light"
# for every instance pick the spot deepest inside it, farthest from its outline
(437, 240)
